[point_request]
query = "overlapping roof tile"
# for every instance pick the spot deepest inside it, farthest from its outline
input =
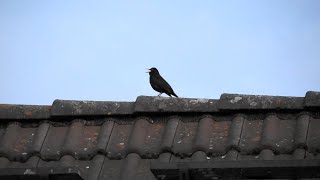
(119, 140)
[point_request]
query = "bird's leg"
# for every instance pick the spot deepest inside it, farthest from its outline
(159, 94)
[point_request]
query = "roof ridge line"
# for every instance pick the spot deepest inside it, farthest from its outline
(154, 104)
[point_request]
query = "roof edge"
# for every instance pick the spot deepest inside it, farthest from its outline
(155, 104)
(167, 104)
(258, 102)
(12, 111)
(80, 108)
(312, 99)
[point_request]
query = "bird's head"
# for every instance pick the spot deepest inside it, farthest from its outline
(153, 70)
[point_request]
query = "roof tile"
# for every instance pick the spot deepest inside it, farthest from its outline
(118, 142)
(30, 163)
(285, 140)
(85, 108)
(252, 102)
(163, 157)
(80, 140)
(235, 132)
(199, 156)
(53, 143)
(161, 104)
(130, 166)
(169, 134)
(184, 138)
(312, 99)
(219, 137)
(203, 135)
(4, 162)
(151, 142)
(138, 136)
(104, 136)
(39, 136)
(266, 154)
(301, 133)
(251, 136)
(171, 130)
(111, 169)
(313, 140)
(147, 138)
(312, 156)
(89, 170)
(21, 147)
(299, 153)
(231, 155)
(9, 111)
(270, 132)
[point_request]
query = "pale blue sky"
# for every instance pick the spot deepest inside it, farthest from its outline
(99, 50)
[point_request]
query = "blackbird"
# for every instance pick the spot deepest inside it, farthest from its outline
(159, 84)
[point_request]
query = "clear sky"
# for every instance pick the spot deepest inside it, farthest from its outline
(99, 50)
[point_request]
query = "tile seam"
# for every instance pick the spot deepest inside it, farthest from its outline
(175, 133)
(104, 159)
(43, 143)
(306, 139)
(240, 136)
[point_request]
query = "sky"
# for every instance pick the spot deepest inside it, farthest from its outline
(100, 50)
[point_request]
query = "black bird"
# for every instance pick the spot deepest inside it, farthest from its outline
(159, 84)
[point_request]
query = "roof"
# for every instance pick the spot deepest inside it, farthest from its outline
(121, 140)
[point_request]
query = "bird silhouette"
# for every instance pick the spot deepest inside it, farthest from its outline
(159, 84)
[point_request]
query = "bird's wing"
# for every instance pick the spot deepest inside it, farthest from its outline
(164, 84)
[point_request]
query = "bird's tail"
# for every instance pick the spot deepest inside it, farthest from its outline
(174, 94)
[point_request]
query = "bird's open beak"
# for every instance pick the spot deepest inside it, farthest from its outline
(148, 71)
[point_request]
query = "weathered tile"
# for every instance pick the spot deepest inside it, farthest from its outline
(313, 139)
(251, 137)
(118, 142)
(19, 144)
(53, 143)
(184, 138)
(169, 134)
